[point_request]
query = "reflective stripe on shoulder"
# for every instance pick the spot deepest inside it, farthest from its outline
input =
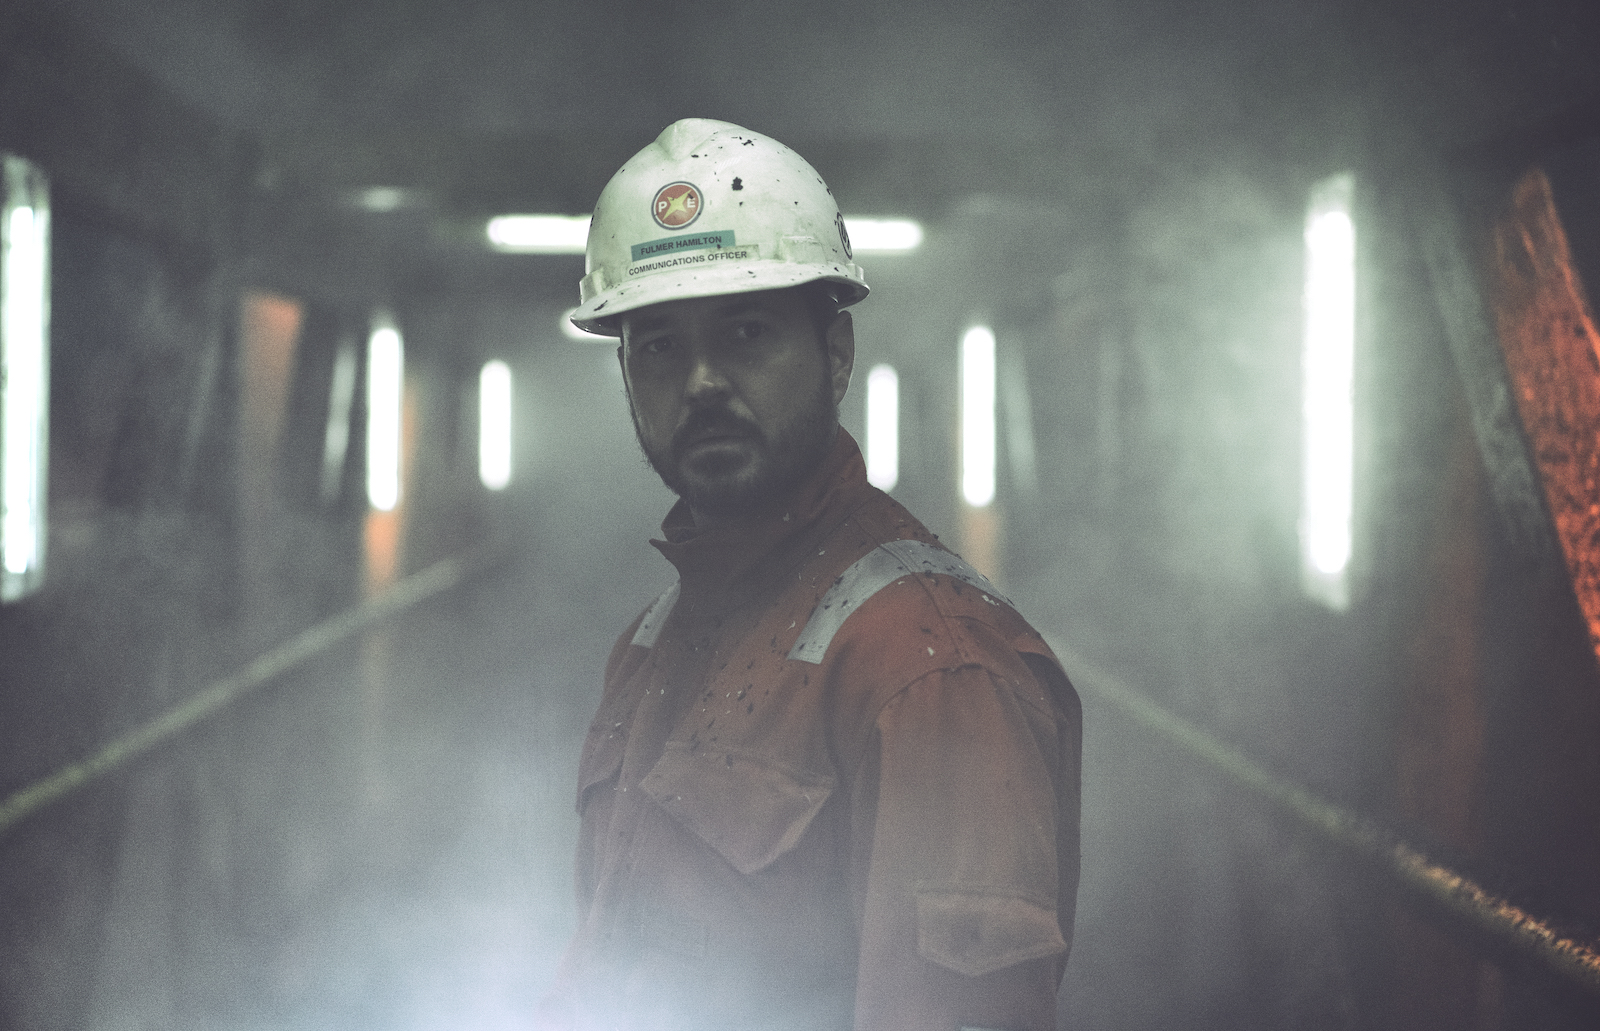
(654, 617)
(870, 574)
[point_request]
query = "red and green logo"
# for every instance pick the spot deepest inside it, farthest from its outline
(676, 205)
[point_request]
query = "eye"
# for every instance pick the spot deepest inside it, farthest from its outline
(749, 330)
(656, 345)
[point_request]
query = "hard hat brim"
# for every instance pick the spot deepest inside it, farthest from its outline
(598, 315)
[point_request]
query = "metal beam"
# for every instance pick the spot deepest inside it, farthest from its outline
(1493, 919)
(216, 697)
(1552, 355)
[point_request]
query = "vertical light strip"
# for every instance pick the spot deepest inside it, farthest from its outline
(977, 416)
(883, 427)
(1328, 393)
(24, 376)
(385, 377)
(336, 437)
(494, 425)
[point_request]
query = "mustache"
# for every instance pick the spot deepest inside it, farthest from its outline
(706, 422)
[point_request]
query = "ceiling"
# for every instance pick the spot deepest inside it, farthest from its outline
(490, 105)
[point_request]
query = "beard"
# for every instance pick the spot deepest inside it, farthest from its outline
(737, 488)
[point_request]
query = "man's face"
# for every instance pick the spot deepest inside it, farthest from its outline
(735, 398)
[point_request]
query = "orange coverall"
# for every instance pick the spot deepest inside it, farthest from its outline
(832, 783)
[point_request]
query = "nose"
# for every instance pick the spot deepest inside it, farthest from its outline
(707, 380)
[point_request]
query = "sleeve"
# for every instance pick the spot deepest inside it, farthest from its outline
(958, 812)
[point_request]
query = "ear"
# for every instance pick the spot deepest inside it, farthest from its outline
(840, 339)
(623, 366)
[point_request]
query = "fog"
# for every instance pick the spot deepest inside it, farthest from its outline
(382, 838)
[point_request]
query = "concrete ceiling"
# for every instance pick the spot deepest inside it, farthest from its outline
(508, 104)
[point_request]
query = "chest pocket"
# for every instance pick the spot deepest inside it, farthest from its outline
(750, 809)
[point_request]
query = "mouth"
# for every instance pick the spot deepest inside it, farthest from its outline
(717, 434)
(716, 437)
(716, 448)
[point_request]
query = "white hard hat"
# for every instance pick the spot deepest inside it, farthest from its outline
(711, 208)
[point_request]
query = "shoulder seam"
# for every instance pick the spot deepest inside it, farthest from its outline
(889, 563)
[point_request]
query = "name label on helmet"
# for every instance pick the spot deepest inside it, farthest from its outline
(746, 253)
(674, 244)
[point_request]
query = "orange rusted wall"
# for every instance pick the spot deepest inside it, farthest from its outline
(1548, 335)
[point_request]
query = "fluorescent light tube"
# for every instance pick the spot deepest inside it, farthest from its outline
(977, 416)
(883, 427)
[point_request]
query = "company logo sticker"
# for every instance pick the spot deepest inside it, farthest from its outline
(844, 236)
(676, 205)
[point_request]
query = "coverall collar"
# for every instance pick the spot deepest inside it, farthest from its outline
(721, 556)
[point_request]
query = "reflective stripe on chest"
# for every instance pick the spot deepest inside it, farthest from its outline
(867, 576)
(870, 574)
(654, 617)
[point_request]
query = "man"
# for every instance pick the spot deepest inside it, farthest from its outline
(833, 780)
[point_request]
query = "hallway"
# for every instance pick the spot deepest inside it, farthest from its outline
(1276, 319)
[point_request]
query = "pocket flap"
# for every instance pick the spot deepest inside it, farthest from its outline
(978, 932)
(750, 809)
(601, 760)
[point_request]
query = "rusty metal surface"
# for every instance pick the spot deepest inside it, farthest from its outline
(1547, 332)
